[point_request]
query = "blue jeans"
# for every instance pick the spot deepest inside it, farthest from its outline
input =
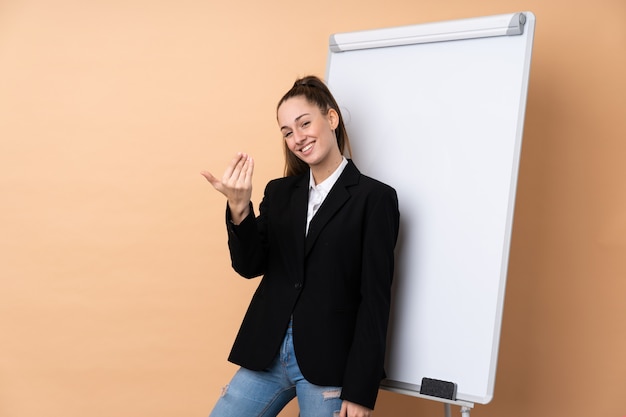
(266, 393)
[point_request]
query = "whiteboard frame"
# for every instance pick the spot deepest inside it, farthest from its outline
(472, 28)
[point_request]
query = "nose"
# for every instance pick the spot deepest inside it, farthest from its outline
(299, 137)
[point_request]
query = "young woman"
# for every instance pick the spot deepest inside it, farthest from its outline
(324, 242)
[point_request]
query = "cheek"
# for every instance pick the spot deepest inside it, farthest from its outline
(290, 145)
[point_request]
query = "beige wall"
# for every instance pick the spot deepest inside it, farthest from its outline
(116, 293)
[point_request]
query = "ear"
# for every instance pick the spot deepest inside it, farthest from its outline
(333, 118)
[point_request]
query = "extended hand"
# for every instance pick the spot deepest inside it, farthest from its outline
(349, 409)
(236, 185)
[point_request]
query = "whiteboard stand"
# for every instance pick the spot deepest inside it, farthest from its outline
(466, 406)
(465, 411)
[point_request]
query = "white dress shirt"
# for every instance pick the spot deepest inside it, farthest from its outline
(317, 193)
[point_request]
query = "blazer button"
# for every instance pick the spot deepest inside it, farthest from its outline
(298, 285)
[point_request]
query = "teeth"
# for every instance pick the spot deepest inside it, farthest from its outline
(307, 147)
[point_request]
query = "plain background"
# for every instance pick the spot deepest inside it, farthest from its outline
(116, 292)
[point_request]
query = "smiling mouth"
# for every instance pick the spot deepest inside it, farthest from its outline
(306, 148)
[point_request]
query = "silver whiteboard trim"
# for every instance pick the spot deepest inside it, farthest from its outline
(413, 391)
(499, 25)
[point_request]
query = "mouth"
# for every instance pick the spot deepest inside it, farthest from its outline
(307, 148)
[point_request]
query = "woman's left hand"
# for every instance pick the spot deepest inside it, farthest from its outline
(349, 409)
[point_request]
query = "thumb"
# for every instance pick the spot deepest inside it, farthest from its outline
(209, 177)
(217, 184)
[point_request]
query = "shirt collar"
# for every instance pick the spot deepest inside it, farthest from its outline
(328, 183)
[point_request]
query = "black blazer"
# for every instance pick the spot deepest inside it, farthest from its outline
(336, 281)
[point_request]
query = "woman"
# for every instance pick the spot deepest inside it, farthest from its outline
(324, 242)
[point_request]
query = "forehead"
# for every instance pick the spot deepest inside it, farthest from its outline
(293, 108)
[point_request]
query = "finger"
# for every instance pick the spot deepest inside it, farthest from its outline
(344, 409)
(206, 174)
(217, 184)
(210, 178)
(234, 168)
(241, 175)
(249, 170)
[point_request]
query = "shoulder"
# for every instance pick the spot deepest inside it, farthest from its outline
(377, 185)
(367, 182)
(286, 183)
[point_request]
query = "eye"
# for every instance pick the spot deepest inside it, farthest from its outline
(286, 135)
(305, 124)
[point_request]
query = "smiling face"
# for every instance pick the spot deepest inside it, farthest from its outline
(309, 135)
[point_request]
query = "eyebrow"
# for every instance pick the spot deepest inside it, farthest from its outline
(296, 120)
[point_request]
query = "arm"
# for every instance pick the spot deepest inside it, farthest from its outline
(244, 242)
(247, 243)
(364, 369)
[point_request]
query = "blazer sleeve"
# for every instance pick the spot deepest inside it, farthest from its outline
(364, 369)
(247, 244)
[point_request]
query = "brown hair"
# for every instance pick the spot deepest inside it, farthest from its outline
(315, 92)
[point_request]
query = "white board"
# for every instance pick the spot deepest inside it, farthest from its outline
(437, 111)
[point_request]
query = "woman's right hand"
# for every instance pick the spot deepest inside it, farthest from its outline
(236, 185)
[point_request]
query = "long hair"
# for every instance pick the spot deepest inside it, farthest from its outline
(315, 92)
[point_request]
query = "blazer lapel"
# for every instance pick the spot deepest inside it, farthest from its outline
(298, 211)
(337, 197)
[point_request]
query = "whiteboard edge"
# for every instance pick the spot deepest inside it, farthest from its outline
(509, 24)
(530, 20)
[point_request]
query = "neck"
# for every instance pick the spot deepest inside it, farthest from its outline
(321, 172)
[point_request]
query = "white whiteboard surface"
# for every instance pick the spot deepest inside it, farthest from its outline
(441, 121)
